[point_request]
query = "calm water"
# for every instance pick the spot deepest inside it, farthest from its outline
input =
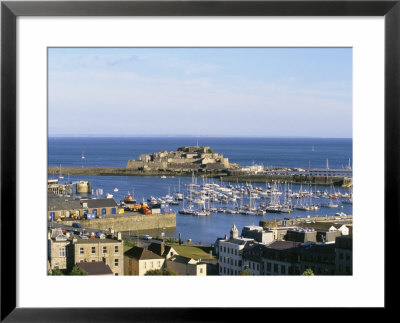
(288, 152)
(276, 152)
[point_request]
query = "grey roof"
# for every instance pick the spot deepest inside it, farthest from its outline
(94, 203)
(282, 245)
(63, 203)
(95, 240)
(95, 268)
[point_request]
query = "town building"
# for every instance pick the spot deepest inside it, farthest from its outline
(186, 266)
(138, 261)
(108, 250)
(281, 258)
(252, 256)
(258, 234)
(74, 207)
(66, 250)
(230, 253)
(344, 255)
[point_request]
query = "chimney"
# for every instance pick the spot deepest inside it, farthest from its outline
(119, 236)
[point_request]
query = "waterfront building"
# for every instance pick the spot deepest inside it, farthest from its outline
(67, 207)
(230, 253)
(344, 255)
(328, 172)
(138, 261)
(59, 189)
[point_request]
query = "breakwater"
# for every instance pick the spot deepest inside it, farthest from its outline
(135, 222)
(224, 176)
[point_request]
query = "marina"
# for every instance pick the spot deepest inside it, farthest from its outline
(206, 206)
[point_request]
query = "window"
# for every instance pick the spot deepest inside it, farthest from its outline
(268, 266)
(104, 249)
(340, 255)
(201, 270)
(258, 266)
(81, 250)
(236, 252)
(240, 263)
(116, 262)
(116, 249)
(283, 270)
(62, 252)
(93, 249)
(275, 268)
(347, 257)
(116, 274)
(56, 265)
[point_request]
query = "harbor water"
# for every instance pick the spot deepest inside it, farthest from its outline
(114, 152)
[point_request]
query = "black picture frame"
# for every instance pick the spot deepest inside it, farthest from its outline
(10, 10)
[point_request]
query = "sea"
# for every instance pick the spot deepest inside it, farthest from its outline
(269, 152)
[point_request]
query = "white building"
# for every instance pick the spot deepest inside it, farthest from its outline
(230, 253)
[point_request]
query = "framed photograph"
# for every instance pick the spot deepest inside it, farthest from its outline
(218, 139)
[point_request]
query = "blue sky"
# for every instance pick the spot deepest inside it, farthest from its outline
(255, 92)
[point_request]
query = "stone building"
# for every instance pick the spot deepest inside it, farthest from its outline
(109, 251)
(64, 251)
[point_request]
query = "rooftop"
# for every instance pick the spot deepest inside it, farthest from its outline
(95, 268)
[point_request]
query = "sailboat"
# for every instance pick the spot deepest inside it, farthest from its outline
(60, 176)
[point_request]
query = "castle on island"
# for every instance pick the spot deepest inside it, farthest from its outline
(186, 158)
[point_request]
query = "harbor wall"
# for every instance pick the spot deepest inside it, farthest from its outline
(130, 222)
(223, 175)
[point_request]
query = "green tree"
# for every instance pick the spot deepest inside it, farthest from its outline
(56, 272)
(308, 272)
(154, 272)
(76, 271)
(210, 151)
(246, 272)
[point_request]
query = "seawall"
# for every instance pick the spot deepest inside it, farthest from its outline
(130, 222)
(224, 176)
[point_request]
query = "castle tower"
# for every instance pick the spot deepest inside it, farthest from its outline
(234, 232)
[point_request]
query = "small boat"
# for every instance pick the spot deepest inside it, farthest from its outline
(116, 189)
(163, 176)
(109, 196)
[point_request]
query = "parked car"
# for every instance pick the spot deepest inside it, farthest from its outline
(147, 237)
(77, 225)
